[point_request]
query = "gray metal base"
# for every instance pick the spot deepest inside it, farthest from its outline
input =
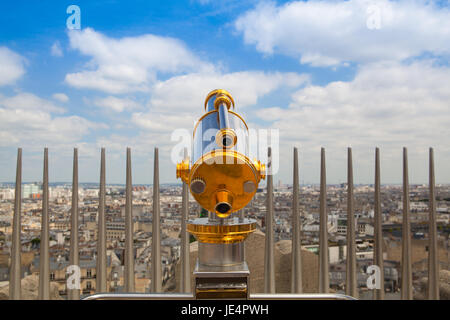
(220, 254)
(221, 282)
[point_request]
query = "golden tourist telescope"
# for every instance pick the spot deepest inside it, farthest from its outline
(223, 177)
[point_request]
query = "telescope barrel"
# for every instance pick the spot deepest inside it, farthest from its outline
(224, 122)
(226, 137)
(209, 106)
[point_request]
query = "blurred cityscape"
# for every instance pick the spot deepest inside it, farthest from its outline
(60, 209)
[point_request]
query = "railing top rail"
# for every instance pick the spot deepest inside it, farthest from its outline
(300, 296)
(189, 296)
(140, 296)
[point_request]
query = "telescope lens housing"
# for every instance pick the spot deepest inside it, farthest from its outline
(226, 138)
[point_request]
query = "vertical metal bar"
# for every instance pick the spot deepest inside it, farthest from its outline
(156, 236)
(296, 267)
(241, 215)
(324, 278)
(433, 262)
(74, 294)
(351, 288)
(16, 247)
(129, 229)
(269, 265)
(185, 246)
(101, 238)
(378, 256)
(44, 268)
(406, 291)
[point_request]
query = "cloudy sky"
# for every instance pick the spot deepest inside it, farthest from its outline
(331, 74)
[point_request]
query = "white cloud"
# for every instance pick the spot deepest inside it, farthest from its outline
(188, 92)
(164, 123)
(330, 33)
(129, 64)
(27, 120)
(11, 66)
(116, 104)
(61, 97)
(389, 105)
(56, 50)
(30, 102)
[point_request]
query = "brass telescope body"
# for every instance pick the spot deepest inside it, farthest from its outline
(223, 178)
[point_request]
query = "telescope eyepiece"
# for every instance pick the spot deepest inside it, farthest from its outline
(223, 207)
(224, 201)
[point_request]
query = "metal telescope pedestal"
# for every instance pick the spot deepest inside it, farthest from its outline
(228, 282)
(221, 271)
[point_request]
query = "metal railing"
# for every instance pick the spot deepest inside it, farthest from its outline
(190, 296)
(269, 266)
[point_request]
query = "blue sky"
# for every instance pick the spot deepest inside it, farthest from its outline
(335, 74)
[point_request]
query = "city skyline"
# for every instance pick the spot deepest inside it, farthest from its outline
(171, 206)
(374, 75)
